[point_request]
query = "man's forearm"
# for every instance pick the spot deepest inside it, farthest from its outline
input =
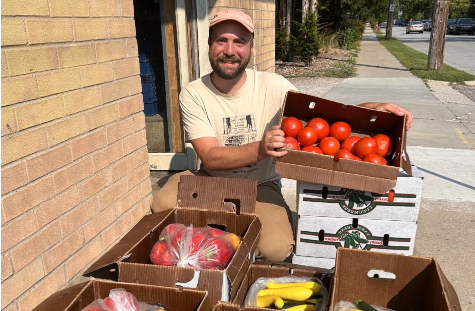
(232, 157)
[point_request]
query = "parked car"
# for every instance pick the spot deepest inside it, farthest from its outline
(428, 26)
(450, 25)
(415, 26)
(463, 25)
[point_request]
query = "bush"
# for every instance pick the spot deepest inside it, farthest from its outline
(282, 43)
(349, 36)
(307, 40)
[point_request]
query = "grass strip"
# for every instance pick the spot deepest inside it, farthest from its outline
(416, 62)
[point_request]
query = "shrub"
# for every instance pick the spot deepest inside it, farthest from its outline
(282, 43)
(352, 32)
(307, 39)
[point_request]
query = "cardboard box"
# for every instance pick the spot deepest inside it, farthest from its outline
(321, 236)
(322, 169)
(77, 297)
(200, 203)
(397, 282)
(321, 200)
(318, 262)
(272, 269)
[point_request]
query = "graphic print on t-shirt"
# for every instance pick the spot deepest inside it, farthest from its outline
(239, 130)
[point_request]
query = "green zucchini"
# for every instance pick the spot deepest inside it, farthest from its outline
(363, 305)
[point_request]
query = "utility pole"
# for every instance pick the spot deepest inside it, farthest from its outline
(389, 24)
(437, 34)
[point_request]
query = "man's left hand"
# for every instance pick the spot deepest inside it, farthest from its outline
(390, 107)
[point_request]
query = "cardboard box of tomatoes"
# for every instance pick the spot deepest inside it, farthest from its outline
(200, 204)
(368, 167)
(85, 296)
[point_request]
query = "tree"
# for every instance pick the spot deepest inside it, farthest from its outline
(437, 35)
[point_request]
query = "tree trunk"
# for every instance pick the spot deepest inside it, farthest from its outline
(305, 7)
(288, 23)
(437, 35)
(281, 4)
(313, 5)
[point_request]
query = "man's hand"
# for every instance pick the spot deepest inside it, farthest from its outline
(272, 140)
(391, 108)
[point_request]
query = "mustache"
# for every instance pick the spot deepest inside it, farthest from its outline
(229, 59)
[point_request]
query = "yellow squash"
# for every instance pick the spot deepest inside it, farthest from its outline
(301, 308)
(298, 293)
(314, 286)
(266, 301)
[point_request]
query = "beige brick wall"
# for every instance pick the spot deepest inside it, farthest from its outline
(75, 174)
(263, 15)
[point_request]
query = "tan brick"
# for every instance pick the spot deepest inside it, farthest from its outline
(135, 85)
(7, 268)
(74, 55)
(21, 282)
(23, 61)
(134, 142)
(17, 230)
(97, 74)
(48, 286)
(129, 200)
(119, 130)
(19, 89)
(49, 30)
(93, 185)
(139, 122)
(73, 174)
(105, 7)
(69, 8)
(124, 166)
(24, 7)
(59, 253)
(89, 143)
(82, 100)
(98, 223)
(13, 31)
(90, 29)
(111, 194)
(102, 115)
(84, 257)
(9, 123)
(35, 246)
(117, 230)
(141, 209)
(126, 67)
(132, 48)
(138, 175)
(128, 8)
(78, 217)
(146, 187)
(67, 128)
(39, 112)
(22, 144)
(59, 81)
(114, 90)
(107, 156)
(110, 50)
(12, 307)
(46, 162)
(122, 28)
(21, 201)
(13, 177)
(49, 211)
(130, 106)
(4, 68)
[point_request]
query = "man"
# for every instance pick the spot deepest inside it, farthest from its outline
(231, 118)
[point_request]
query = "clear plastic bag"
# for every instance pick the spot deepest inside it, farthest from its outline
(348, 306)
(198, 248)
(261, 283)
(121, 300)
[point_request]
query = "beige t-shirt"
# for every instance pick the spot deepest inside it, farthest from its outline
(236, 119)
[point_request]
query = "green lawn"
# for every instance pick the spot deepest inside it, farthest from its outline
(416, 62)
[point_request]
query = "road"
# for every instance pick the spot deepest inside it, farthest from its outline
(459, 49)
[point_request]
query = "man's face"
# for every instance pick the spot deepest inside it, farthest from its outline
(230, 49)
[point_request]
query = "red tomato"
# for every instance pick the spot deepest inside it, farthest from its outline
(349, 143)
(291, 126)
(321, 126)
(215, 254)
(307, 136)
(357, 158)
(123, 300)
(312, 149)
(340, 130)
(291, 143)
(161, 256)
(92, 308)
(198, 239)
(109, 303)
(214, 232)
(365, 146)
(385, 145)
(343, 154)
(391, 195)
(374, 158)
(329, 145)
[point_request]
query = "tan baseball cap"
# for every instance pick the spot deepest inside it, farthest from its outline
(235, 15)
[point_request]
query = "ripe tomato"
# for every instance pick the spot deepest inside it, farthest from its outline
(215, 254)
(340, 130)
(365, 146)
(374, 158)
(329, 145)
(160, 255)
(291, 126)
(385, 145)
(322, 127)
(349, 143)
(313, 149)
(291, 143)
(343, 154)
(307, 136)
(357, 158)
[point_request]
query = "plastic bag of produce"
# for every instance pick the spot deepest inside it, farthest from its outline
(121, 300)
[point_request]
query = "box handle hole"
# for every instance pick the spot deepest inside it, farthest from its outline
(373, 119)
(355, 223)
(321, 235)
(233, 205)
(391, 195)
(381, 274)
(312, 105)
(194, 195)
(386, 239)
(324, 192)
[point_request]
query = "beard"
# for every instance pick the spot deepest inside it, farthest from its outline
(226, 74)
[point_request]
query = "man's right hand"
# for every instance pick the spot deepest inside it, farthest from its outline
(272, 141)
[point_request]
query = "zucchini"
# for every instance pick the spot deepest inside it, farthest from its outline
(363, 305)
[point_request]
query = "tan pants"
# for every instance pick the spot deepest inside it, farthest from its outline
(276, 242)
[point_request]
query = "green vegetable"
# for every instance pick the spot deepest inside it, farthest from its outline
(360, 304)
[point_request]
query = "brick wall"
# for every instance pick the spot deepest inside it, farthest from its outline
(75, 174)
(263, 15)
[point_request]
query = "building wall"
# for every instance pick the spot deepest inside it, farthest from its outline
(75, 174)
(263, 15)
